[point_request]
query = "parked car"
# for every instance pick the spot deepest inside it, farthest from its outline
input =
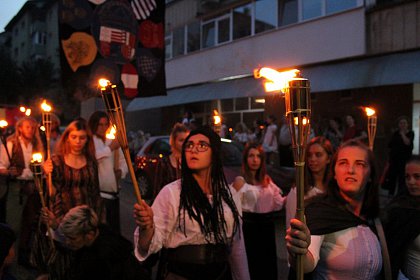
(156, 147)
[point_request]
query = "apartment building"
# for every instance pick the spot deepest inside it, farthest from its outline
(355, 53)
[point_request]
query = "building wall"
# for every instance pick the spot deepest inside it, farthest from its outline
(52, 43)
(179, 13)
(393, 28)
(300, 44)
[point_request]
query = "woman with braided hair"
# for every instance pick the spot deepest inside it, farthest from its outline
(195, 218)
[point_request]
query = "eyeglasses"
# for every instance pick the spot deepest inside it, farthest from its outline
(200, 146)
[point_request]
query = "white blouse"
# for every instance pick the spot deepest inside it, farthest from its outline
(411, 266)
(167, 233)
(259, 199)
(353, 253)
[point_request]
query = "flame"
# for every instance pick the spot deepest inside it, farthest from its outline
(22, 109)
(276, 81)
(217, 119)
(42, 128)
(111, 133)
(46, 107)
(3, 123)
(304, 120)
(103, 82)
(28, 112)
(369, 111)
(37, 157)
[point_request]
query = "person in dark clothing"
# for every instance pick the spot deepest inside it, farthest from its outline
(400, 149)
(7, 250)
(402, 225)
(99, 253)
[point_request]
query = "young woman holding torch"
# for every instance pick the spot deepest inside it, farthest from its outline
(195, 218)
(341, 223)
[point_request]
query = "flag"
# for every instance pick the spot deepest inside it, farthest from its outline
(113, 37)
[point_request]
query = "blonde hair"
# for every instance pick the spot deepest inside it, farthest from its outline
(79, 220)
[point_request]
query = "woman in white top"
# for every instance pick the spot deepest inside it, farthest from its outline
(339, 240)
(195, 218)
(317, 164)
(261, 201)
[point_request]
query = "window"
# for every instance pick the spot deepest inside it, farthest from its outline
(39, 38)
(334, 6)
(242, 104)
(193, 37)
(265, 15)
(242, 21)
(208, 39)
(223, 30)
(227, 105)
(311, 9)
(288, 12)
(168, 46)
(178, 43)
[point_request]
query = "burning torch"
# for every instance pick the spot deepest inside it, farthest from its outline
(217, 122)
(46, 122)
(111, 135)
(36, 169)
(371, 125)
(298, 113)
(112, 102)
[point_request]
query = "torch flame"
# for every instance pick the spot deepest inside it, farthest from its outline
(276, 81)
(22, 109)
(369, 111)
(37, 157)
(3, 123)
(111, 133)
(28, 112)
(45, 107)
(217, 119)
(103, 82)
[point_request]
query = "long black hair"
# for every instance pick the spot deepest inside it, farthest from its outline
(194, 201)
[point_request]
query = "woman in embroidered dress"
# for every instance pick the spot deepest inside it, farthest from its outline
(75, 180)
(341, 223)
(261, 202)
(195, 218)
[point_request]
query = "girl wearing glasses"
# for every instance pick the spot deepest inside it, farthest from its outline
(261, 201)
(340, 240)
(195, 218)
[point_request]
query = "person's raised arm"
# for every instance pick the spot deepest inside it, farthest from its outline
(143, 215)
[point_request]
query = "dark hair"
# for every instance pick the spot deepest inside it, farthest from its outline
(370, 203)
(413, 159)
(195, 202)
(246, 172)
(94, 120)
(328, 148)
(77, 125)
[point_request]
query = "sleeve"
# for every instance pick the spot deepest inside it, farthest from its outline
(315, 247)
(248, 195)
(278, 199)
(290, 206)
(57, 181)
(238, 258)
(101, 150)
(165, 218)
(122, 163)
(4, 160)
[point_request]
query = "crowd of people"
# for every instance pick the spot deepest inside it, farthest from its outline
(200, 226)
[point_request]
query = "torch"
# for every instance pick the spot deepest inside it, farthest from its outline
(217, 122)
(36, 169)
(371, 125)
(112, 102)
(298, 113)
(111, 135)
(3, 127)
(46, 122)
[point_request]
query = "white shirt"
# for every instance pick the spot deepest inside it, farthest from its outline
(168, 234)
(27, 155)
(259, 199)
(106, 158)
(270, 138)
(353, 253)
(411, 265)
